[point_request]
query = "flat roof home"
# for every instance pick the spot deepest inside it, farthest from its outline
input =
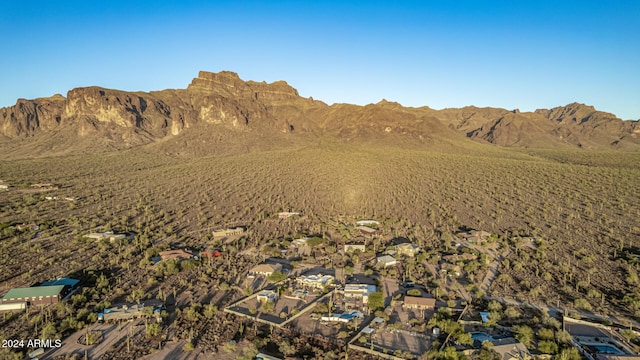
(301, 241)
(366, 222)
(265, 269)
(386, 260)
(4, 187)
(36, 295)
(407, 249)
(358, 291)
(228, 232)
(127, 311)
(262, 356)
(476, 236)
(265, 296)
(175, 254)
(32, 226)
(287, 214)
(419, 303)
(367, 230)
(315, 281)
(109, 235)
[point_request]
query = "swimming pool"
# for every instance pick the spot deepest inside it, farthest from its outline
(607, 349)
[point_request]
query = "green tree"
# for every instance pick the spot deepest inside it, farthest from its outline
(210, 311)
(563, 337)
(277, 276)
(582, 304)
(628, 334)
(569, 354)
(548, 347)
(268, 307)
(511, 312)
(376, 301)
(524, 334)
(494, 306)
(153, 329)
(287, 348)
(49, 332)
(464, 338)
(545, 334)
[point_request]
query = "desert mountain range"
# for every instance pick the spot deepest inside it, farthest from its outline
(219, 111)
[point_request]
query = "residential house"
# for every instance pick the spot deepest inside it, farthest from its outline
(228, 232)
(419, 303)
(262, 356)
(265, 269)
(407, 249)
(108, 235)
(130, 311)
(4, 187)
(315, 281)
(265, 296)
(354, 247)
(287, 214)
(175, 254)
(511, 349)
(367, 230)
(31, 226)
(301, 241)
(476, 236)
(358, 291)
(367, 222)
(386, 260)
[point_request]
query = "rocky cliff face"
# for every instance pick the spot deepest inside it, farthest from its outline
(28, 116)
(222, 103)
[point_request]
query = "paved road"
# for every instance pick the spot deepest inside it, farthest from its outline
(111, 335)
(492, 270)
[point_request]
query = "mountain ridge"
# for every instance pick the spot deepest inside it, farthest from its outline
(223, 105)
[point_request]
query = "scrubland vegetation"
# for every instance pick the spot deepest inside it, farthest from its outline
(581, 207)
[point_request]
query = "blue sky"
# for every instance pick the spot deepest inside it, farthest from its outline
(510, 54)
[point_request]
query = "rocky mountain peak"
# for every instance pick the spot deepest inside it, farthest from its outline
(228, 83)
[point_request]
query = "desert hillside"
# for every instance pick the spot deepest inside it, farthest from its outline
(234, 115)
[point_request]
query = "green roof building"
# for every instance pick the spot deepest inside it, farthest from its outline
(36, 295)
